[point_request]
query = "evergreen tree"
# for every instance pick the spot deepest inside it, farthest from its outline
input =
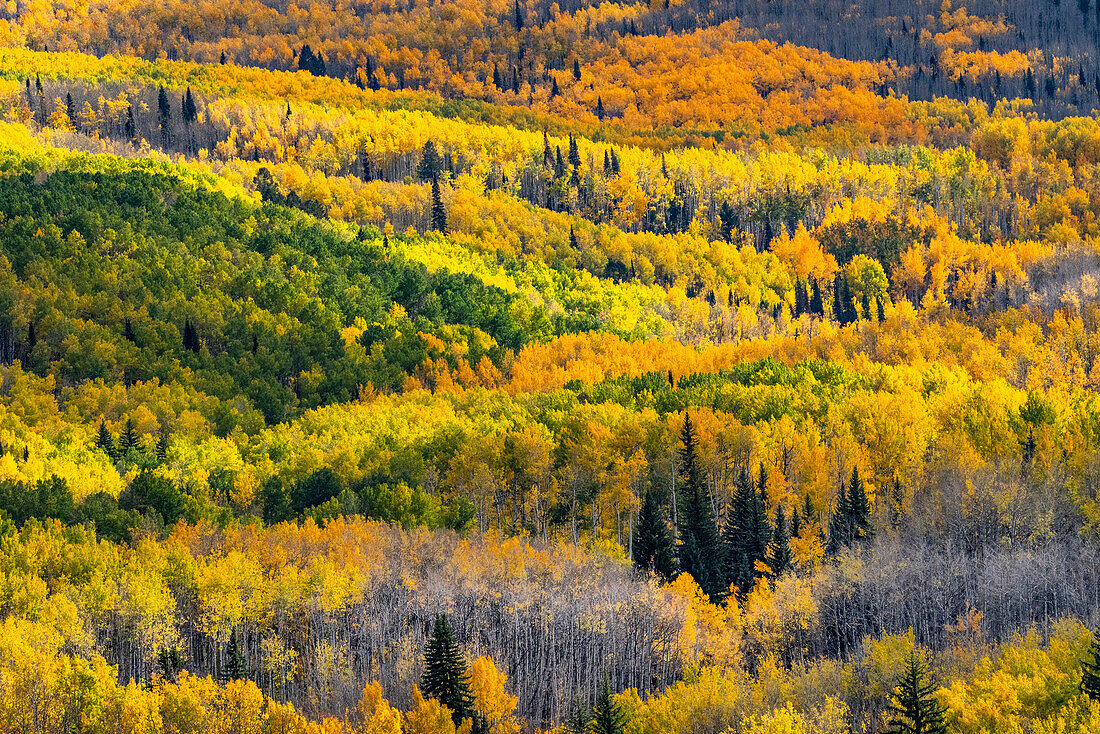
(859, 506)
(839, 534)
(573, 239)
(913, 706)
(129, 439)
(235, 667)
(599, 108)
(519, 18)
(446, 677)
(576, 69)
(190, 110)
(700, 546)
(131, 128)
(439, 214)
(1090, 669)
(70, 111)
(817, 306)
(779, 553)
(104, 441)
(430, 164)
(607, 717)
(574, 153)
(580, 717)
(554, 91)
(164, 115)
(653, 545)
(162, 443)
(727, 217)
(170, 663)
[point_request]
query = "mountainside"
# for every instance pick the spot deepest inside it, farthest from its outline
(494, 367)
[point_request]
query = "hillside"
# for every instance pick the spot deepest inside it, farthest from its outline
(669, 367)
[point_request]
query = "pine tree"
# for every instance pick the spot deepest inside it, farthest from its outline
(574, 153)
(190, 110)
(600, 114)
(913, 706)
(104, 441)
(439, 214)
(446, 677)
(859, 507)
(580, 717)
(554, 91)
(700, 546)
(817, 306)
(70, 111)
(839, 534)
(162, 443)
(573, 239)
(235, 667)
(576, 69)
(779, 553)
(519, 18)
(170, 663)
(131, 129)
(430, 164)
(164, 115)
(653, 545)
(607, 717)
(129, 439)
(1090, 669)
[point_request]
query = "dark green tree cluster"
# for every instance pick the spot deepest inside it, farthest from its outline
(271, 328)
(1090, 669)
(851, 519)
(748, 531)
(700, 551)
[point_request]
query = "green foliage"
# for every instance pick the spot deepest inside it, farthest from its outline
(446, 676)
(913, 706)
(607, 716)
(654, 546)
(1090, 669)
(47, 498)
(700, 551)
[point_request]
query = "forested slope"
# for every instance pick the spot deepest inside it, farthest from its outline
(643, 345)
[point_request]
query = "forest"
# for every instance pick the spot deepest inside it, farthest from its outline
(488, 367)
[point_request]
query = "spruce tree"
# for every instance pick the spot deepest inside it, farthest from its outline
(653, 545)
(779, 553)
(859, 507)
(607, 717)
(576, 69)
(129, 438)
(1090, 669)
(913, 707)
(446, 677)
(817, 306)
(430, 164)
(580, 717)
(105, 441)
(600, 114)
(235, 667)
(700, 546)
(439, 214)
(839, 522)
(162, 444)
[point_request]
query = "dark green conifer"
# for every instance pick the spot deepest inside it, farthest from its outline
(439, 214)
(1090, 669)
(235, 667)
(446, 677)
(700, 546)
(653, 544)
(105, 441)
(607, 716)
(913, 707)
(779, 553)
(430, 164)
